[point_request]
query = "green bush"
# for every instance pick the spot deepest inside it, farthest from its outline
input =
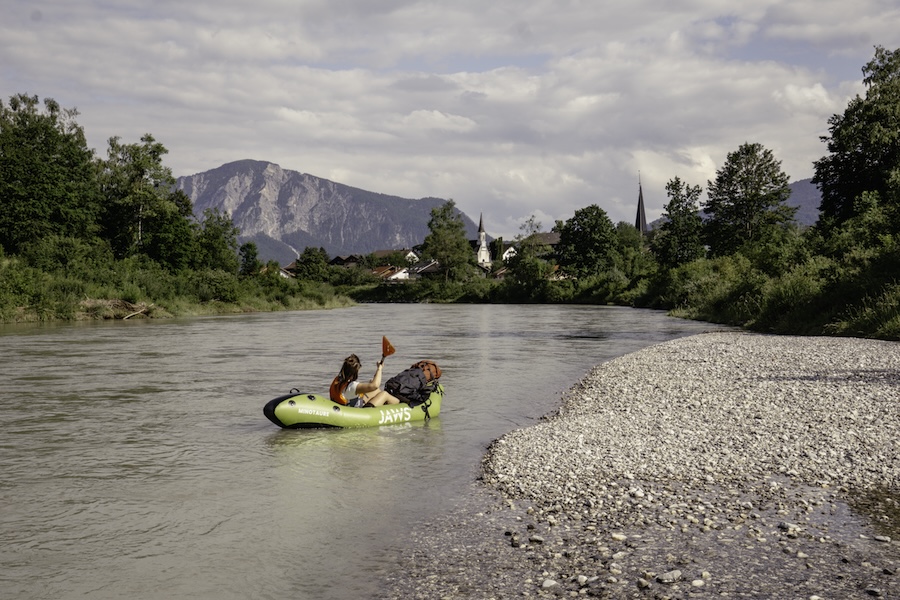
(213, 285)
(727, 289)
(876, 316)
(797, 301)
(71, 256)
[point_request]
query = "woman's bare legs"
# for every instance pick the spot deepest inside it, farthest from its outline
(381, 397)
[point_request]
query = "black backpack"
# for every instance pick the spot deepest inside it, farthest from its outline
(411, 386)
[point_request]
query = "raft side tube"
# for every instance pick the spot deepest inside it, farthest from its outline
(271, 405)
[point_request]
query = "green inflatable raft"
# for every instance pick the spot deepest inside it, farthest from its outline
(297, 410)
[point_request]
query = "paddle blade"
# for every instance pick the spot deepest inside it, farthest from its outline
(386, 348)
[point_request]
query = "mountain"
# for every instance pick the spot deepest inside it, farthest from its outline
(807, 197)
(284, 211)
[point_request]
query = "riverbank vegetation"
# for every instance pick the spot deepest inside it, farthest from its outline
(82, 237)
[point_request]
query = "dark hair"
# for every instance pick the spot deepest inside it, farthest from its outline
(350, 369)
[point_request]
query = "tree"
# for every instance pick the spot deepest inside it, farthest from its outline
(631, 256)
(170, 234)
(529, 268)
(587, 243)
(250, 263)
(312, 264)
(863, 145)
(139, 197)
(217, 242)
(48, 181)
(746, 200)
(679, 239)
(447, 244)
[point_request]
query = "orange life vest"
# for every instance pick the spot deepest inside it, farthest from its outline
(336, 391)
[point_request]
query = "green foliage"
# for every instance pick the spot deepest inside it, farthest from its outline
(91, 239)
(679, 239)
(312, 265)
(47, 175)
(530, 269)
(797, 301)
(250, 263)
(878, 315)
(217, 242)
(351, 276)
(587, 243)
(722, 290)
(864, 145)
(746, 200)
(396, 258)
(70, 256)
(446, 243)
(632, 258)
(214, 284)
(136, 186)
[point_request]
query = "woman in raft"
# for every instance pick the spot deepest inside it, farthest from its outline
(346, 388)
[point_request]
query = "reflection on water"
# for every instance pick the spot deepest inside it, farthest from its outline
(137, 461)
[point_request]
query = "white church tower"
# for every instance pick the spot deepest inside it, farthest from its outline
(483, 257)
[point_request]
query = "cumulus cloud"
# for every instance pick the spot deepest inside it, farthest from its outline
(512, 109)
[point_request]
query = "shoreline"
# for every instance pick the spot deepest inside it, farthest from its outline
(718, 465)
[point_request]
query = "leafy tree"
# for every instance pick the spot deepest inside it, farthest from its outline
(746, 200)
(632, 257)
(529, 268)
(863, 144)
(47, 177)
(170, 234)
(447, 244)
(587, 242)
(312, 265)
(139, 199)
(679, 239)
(250, 263)
(217, 242)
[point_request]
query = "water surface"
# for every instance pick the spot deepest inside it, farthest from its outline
(135, 460)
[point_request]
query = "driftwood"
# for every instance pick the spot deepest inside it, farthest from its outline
(138, 312)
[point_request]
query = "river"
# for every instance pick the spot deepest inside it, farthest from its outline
(135, 460)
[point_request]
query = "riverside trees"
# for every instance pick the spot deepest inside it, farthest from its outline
(746, 200)
(679, 239)
(47, 174)
(447, 244)
(79, 233)
(864, 146)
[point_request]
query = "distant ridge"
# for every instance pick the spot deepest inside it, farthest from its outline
(284, 211)
(807, 198)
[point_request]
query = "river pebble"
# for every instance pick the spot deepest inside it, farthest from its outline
(718, 465)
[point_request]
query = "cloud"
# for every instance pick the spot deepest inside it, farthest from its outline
(512, 109)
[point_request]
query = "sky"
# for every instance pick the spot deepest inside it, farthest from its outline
(512, 108)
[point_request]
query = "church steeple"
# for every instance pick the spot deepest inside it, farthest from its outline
(640, 222)
(483, 257)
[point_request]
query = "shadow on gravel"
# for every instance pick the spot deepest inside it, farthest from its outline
(882, 506)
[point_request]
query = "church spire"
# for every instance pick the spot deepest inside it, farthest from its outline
(483, 255)
(640, 222)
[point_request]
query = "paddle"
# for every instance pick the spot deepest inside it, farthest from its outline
(386, 348)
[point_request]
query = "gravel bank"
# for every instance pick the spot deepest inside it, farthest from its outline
(723, 465)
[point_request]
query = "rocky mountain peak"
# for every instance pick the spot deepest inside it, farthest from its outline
(284, 211)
